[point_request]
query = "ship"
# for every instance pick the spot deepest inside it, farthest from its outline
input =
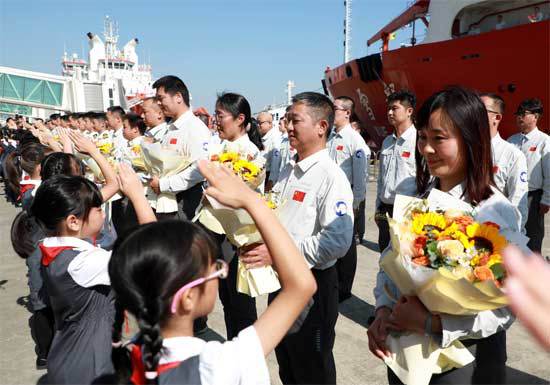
(489, 46)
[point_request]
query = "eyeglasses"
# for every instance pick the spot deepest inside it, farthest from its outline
(523, 113)
(221, 272)
(493, 112)
(265, 121)
(338, 108)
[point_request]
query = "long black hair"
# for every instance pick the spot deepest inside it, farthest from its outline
(61, 196)
(463, 109)
(237, 104)
(147, 268)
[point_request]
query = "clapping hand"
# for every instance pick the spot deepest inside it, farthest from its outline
(82, 143)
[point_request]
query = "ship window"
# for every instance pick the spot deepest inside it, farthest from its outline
(110, 93)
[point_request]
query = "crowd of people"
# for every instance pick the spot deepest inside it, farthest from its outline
(98, 250)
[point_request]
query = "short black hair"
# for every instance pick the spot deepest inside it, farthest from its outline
(321, 106)
(497, 101)
(54, 116)
(37, 119)
(173, 85)
(65, 118)
(10, 118)
(98, 116)
(533, 105)
(349, 104)
(135, 121)
(117, 110)
(405, 97)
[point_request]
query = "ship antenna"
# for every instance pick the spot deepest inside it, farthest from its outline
(289, 86)
(347, 31)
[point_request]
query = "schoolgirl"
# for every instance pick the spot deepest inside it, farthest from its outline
(166, 275)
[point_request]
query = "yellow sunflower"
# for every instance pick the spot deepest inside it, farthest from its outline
(228, 157)
(453, 231)
(105, 148)
(428, 219)
(488, 233)
(247, 170)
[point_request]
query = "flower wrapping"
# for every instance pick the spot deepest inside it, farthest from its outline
(164, 162)
(237, 225)
(448, 254)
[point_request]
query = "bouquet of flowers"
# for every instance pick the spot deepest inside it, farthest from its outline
(449, 255)
(238, 226)
(163, 162)
(135, 155)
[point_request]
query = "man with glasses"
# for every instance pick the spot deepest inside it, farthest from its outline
(535, 145)
(509, 163)
(271, 139)
(350, 152)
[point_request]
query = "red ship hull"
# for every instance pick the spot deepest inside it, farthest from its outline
(514, 63)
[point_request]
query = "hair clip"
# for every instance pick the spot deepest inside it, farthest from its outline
(151, 375)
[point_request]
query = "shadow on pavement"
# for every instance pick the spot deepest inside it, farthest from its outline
(356, 310)
(370, 245)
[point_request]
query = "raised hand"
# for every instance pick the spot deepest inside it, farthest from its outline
(82, 143)
(226, 187)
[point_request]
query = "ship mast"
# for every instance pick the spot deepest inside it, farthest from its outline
(347, 31)
(289, 86)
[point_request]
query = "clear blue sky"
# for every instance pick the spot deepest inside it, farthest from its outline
(248, 46)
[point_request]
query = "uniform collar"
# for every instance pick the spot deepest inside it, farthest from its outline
(342, 132)
(180, 122)
(136, 140)
(532, 134)
(51, 247)
(270, 134)
(497, 138)
(409, 132)
(157, 128)
(310, 161)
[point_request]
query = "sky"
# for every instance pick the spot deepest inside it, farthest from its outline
(252, 47)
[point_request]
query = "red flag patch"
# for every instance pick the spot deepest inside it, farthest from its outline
(298, 196)
(406, 154)
(495, 169)
(339, 148)
(173, 141)
(533, 149)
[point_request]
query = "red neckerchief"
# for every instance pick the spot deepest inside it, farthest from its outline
(138, 369)
(49, 253)
(23, 189)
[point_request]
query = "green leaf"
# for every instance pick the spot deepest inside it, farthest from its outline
(498, 270)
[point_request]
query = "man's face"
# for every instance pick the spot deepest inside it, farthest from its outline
(526, 120)
(265, 123)
(169, 104)
(341, 114)
(98, 125)
(128, 132)
(152, 115)
(398, 113)
(113, 120)
(11, 124)
(303, 131)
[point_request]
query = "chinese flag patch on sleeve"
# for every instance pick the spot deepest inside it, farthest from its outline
(173, 141)
(406, 154)
(533, 149)
(495, 169)
(298, 196)
(339, 148)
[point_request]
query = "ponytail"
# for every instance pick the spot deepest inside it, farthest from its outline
(149, 325)
(13, 173)
(27, 159)
(254, 135)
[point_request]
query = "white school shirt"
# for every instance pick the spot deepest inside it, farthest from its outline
(349, 150)
(239, 361)
(397, 173)
(510, 173)
(316, 208)
(281, 157)
(271, 141)
(190, 135)
(157, 132)
(536, 148)
(90, 267)
(497, 209)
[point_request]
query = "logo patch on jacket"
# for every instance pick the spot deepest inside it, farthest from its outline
(340, 148)
(341, 208)
(173, 141)
(533, 148)
(406, 154)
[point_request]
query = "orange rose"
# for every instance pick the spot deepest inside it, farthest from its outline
(418, 246)
(483, 273)
(463, 222)
(422, 261)
(492, 224)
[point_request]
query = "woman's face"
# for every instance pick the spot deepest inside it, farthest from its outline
(229, 128)
(442, 145)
